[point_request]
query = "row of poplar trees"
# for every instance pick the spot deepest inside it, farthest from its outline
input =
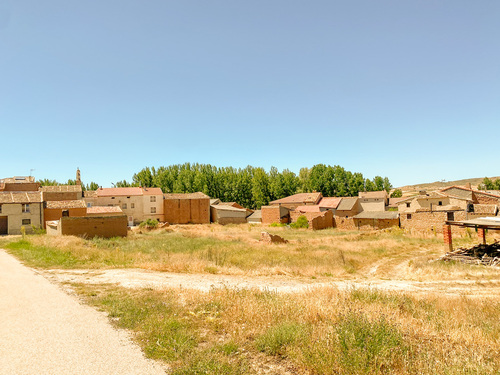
(253, 187)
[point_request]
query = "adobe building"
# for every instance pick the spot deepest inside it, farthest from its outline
(54, 210)
(296, 200)
(137, 203)
(89, 226)
(373, 200)
(20, 209)
(61, 192)
(19, 184)
(190, 208)
(275, 214)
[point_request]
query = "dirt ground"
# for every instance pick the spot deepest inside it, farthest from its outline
(139, 278)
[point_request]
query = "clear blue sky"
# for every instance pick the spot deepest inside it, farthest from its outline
(404, 89)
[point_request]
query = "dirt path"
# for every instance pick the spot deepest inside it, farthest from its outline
(45, 331)
(139, 278)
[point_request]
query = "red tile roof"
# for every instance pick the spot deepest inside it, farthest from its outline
(330, 202)
(66, 204)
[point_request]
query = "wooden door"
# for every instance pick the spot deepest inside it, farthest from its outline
(4, 225)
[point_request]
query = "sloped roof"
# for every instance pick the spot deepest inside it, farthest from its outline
(104, 210)
(233, 204)
(224, 207)
(373, 194)
(90, 194)
(383, 215)
(314, 208)
(61, 189)
(66, 204)
(299, 198)
(256, 215)
(329, 202)
(21, 197)
(197, 195)
(127, 191)
(18, 180)
(393, 202)
(470, 190)
(347, 203)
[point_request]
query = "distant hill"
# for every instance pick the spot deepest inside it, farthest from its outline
(442, 184)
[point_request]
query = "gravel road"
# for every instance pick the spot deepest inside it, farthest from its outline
(45, 331)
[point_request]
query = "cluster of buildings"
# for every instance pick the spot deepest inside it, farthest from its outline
(425, 211)
(108, 212)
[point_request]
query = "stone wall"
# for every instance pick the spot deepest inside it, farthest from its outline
(345, 223)
(376, 223)
(95, 226)
(317, 220)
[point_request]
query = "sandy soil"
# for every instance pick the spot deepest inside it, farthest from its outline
(139, 278)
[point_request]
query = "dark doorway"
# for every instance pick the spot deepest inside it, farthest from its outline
(65, 213)
(4, 225)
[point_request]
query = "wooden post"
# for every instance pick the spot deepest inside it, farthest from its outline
(448, 241)
(481, 233)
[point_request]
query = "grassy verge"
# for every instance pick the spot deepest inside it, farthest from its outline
(236, 250)
(326, 332)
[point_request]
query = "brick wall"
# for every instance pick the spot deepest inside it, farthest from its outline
(95, 226)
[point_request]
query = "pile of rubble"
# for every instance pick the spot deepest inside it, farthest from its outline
(488, 255)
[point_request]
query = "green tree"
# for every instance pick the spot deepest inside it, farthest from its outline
(397, 193)
(47, 182)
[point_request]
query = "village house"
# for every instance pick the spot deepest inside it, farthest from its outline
(20, 209)
(373, 200)
(189, 208)
(54, 210)
(296, 200)
(61, 193)
(475, 196)
(137, 203)
(23, 183)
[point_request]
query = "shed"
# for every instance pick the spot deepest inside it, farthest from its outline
(190, 208)
(255, 218)
(226, 214)
(54, 210)
(376, 219)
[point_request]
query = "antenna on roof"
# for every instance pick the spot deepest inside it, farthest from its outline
(31, 171)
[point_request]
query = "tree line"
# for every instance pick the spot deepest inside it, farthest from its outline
(254, 187)
(48, 182)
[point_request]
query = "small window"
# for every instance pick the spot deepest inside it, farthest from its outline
(451, 216)
(153, 210)
(152, 199)
(440, 203)
(26, 221)
(89, 204)
(0, 208)
(26, 208)
(132, 205)
(124, 206)
(65, 213)
(128, 197)
(408, 204)
(408, 217)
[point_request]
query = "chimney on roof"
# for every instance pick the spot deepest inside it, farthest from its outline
(78, 181)
(468, 186)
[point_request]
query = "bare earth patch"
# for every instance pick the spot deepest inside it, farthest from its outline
(139, 278)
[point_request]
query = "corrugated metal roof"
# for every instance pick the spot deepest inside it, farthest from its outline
(383, 215)
(197, 195)
(21, 197)
(298, 198)
(347, 203)
(66, 204)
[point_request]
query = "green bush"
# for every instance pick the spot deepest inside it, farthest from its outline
(275, 340)
(301, 222)
(149, 224)
(277, 225)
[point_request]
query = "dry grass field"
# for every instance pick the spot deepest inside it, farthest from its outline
(325, 330)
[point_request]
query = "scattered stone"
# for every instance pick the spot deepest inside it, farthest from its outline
(488, 255)
(271, 238)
